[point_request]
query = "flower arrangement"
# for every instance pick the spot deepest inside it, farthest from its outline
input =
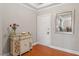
(14, 26)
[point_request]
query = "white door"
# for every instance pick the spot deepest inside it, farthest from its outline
(44, 29)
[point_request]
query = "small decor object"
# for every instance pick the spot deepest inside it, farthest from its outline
(14, 27)
(64, 22)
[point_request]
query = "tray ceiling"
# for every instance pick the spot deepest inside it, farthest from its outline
(40, 5)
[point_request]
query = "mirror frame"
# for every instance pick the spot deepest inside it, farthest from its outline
(72, 21)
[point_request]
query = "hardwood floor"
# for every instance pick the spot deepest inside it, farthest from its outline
(40, 50)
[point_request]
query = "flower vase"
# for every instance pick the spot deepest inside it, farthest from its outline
(13, 32)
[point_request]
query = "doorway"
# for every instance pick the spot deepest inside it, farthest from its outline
(44, 29)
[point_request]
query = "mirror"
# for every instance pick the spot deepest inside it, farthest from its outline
(64, 22)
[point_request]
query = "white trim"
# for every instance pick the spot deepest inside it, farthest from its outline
(45, 5)
(35, 43)
(50, 6)
(39, 6)
(26, 6)
(33, 5)
(62, 49)
(39, 9)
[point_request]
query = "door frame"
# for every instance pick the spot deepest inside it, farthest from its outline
(50, 25)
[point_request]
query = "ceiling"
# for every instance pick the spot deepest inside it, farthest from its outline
(40, 5)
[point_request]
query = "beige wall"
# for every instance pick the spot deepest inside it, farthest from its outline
(66, 41)
(17, 13)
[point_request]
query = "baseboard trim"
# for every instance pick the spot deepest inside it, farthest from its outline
(62, 49)
(35, 43)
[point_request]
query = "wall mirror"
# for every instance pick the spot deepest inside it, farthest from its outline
(64, 22)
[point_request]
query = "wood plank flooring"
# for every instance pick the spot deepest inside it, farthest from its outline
(40, 50)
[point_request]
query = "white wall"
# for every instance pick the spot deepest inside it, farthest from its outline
(64, 40)
(0, 29)
(0, 37)
(17, 13)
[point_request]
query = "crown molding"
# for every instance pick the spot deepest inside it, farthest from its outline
(27, 6)
(32, 8)
(42, 6)
(48, 7)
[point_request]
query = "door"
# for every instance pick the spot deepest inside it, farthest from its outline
(44, 29)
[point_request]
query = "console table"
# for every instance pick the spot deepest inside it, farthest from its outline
(20, 43)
